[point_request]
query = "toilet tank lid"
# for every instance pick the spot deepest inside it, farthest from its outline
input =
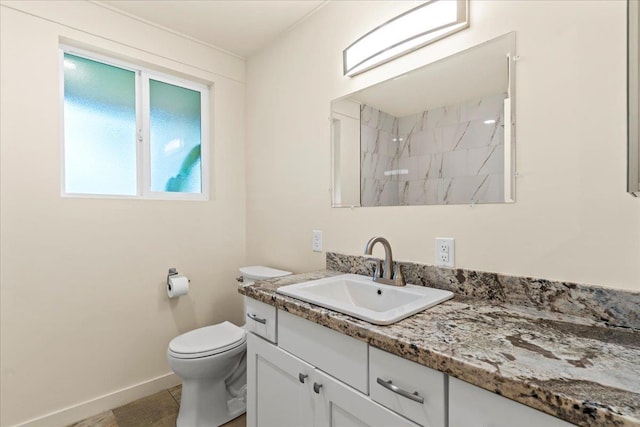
(259, 272)
(208, 338)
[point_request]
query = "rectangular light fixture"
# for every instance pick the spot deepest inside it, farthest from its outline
(418, 27)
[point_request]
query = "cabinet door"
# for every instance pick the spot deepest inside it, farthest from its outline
(471, 406)
(338, 405)
(278, 387)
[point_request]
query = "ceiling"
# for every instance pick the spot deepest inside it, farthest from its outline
(242, 27)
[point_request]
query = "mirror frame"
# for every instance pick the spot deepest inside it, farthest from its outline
(633, 98)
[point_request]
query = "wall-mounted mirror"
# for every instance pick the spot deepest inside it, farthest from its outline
(440, 134)
(633, 100)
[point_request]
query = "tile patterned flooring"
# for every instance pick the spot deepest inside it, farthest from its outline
(157, 410)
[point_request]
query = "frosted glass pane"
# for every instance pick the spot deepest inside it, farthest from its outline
(175, 138)
(99, 128)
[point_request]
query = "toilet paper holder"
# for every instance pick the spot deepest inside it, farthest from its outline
(173, 272)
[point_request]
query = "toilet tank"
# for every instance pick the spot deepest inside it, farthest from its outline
(258, 272)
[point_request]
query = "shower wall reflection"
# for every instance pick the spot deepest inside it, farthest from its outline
(450, 154)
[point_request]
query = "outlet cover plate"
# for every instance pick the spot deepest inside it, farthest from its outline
(445, 252)
(316, 241)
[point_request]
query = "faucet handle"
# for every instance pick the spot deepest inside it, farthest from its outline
(377, 272)
(398, 276)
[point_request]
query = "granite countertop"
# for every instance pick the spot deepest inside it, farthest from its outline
(577, 369)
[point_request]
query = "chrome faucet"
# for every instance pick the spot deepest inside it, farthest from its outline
(388, 275)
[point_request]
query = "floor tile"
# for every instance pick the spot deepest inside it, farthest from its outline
(176, 392)
(157, 410)
(105, 419)
(241, 421)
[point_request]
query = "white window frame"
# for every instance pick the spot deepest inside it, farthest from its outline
(143, 143)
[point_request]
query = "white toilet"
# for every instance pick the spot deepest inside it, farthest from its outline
(211, 362)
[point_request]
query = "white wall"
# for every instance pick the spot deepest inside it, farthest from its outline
(85, 318)
(572, 220)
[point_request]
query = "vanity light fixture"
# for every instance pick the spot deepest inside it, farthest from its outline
(489, 122)
(418, 27)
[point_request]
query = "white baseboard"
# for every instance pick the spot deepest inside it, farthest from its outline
(86, 409)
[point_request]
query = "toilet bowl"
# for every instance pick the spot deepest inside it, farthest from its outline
(211, 363)
(204, 358)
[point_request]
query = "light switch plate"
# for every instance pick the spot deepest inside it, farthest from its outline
(316, 241)
(445, 252)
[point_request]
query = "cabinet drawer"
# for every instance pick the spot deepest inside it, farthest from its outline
(261, 319)
(330, 351)
(394, 380)
(472, 406)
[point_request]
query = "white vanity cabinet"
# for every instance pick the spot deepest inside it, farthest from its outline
(471, 406)
(313, 377)
(284, 391)
(317, 377)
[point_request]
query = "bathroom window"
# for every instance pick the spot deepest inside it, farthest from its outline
(131, 132)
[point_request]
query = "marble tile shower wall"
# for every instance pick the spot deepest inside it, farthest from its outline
(448, 155)
(378, 138)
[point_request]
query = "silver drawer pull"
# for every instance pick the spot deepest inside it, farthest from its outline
(302, 377)
(404, 393)
(256, 318)
(317, 387)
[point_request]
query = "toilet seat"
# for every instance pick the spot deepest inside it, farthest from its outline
(207, 341)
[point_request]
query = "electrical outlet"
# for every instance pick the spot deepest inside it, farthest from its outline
(445, 254)
(316, 241)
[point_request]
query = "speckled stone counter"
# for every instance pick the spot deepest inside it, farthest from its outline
(575, 368)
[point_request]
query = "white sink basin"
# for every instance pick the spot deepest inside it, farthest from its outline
(360, 297)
